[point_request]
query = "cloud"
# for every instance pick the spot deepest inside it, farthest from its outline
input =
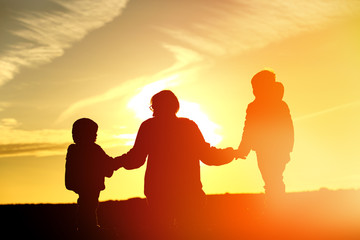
(183, 59)
(113, 93)
(129, 138)
(40, 36)
(16, 141)
(11, 133)
(328, 110)
(38, 149)
(228, 28)
(236, 26)
(20, 142)
(8, 122)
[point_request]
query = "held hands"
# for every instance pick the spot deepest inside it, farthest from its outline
(119, 162)
(234, 153)
(240, 154)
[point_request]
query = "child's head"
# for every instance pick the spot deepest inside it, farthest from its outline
(84, 130)
(262, 83)
(278, 91)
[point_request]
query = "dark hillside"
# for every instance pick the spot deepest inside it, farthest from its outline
(310, 215)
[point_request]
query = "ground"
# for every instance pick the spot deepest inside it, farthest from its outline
(324, 214)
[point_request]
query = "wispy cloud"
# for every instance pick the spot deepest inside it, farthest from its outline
(183, 59)
(328, 110)
(113, 93)
(221, 29)
(42, 36)
(227, 28)
(17, 141)
(37, 149)
(235, 26)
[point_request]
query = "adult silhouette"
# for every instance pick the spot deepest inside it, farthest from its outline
(173, 147)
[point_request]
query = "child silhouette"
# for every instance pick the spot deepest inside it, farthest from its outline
(86, 167)
(269, 132)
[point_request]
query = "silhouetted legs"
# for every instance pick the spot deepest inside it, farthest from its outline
(180, 217)
(272, 166)
(189, 218)
(162, 219)
(87, 211)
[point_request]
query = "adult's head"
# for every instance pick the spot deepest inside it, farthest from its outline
(84, 130)
(262, 83)
(164, 104)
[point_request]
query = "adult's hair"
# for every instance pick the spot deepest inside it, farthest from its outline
(84, 130)
(165, 103)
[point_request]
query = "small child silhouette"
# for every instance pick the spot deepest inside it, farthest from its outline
(86, 167)
(269, 131)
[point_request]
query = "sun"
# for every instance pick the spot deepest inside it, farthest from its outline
(207, 127)
(140, 105)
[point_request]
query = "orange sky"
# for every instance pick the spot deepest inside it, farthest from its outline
(64, 60)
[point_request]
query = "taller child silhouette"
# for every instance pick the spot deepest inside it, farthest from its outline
(269, 131)
(173, 147)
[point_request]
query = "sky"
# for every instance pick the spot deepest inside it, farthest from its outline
(62, 60)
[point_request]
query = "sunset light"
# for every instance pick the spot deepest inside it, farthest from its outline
(104, 60)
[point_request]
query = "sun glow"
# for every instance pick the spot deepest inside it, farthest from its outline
(140, 105)
(207, 127)
(140, 102)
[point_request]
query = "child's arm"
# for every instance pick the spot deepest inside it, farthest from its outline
(106, 162)
(245, 144)
(287, 127)
(109, 170)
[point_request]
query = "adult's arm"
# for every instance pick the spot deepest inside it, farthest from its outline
(207, 154)
(136, 157)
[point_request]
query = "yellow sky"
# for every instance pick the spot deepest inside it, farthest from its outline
(63, 61)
